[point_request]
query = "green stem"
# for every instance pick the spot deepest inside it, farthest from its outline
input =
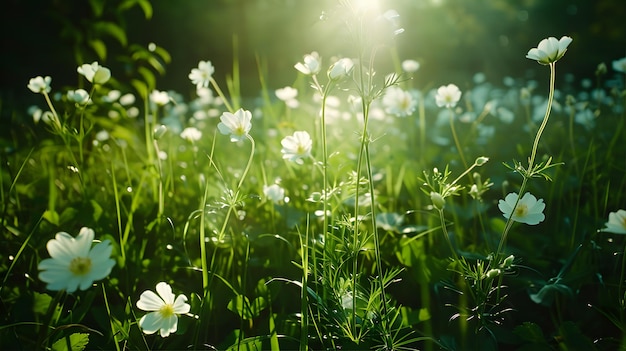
(236, 194)
(531, 160)
(221, 95)
(456, 138)
(442, 219)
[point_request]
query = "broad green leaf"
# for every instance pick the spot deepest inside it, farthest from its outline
(242, 307)
(77, 342)
(529, 332)
(97, 6)
(41, 303)
(573, 338)
(67, 215)
(99, 48)
(51, 216)
(148, 77)
(141, 87)
(97, 210)
(112, 30)
(145, 5)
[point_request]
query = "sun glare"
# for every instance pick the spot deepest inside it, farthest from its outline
(366, 5)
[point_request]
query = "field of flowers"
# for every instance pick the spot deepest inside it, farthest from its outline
(354, 209)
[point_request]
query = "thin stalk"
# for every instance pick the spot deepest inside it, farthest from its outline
(221, 95)
(106, 304)
(236, 194)
(325, 92)
(203, 255)
(531, 160)
(456, 138)
(442, 219)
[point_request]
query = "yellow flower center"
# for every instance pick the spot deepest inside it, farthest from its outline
(166, 310)
(80, 265)
(521, 210)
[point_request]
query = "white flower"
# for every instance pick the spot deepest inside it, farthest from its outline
(274, 193)
(529, 210)
(73, 263)
(340, 69)
(79, 96)
(237, 125)
(616, 223)
(296, 146)
(410, 66)
(399, 102)
(95, 73)
(312, 64)
(549, 50)
(164, 309)
(286, 93)
(191, 134)
(161, 98)
(448, 95)
(127, 99)
(620, 65)
(112, 96)
(39, 84)
(201, 76)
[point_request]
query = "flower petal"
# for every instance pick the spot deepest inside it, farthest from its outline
(180, 305)
(149, 301)
(165, 291)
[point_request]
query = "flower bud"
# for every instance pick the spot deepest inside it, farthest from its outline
(601, 69)
(159, 132)
(340, 69)
(438, 201)
(481, 161)
(492, 273)
(507, 262)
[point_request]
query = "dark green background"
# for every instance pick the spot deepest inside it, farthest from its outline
(452, 40)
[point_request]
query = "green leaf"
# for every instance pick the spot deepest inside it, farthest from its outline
(165, 56)
(145, 5)
(97, 6)
(112, 30)
(67, 215)
(97, 210)
(529, 332)
(77, 342)
(148, 77)
(574, 338)
(242, 307)
(51, 216)
(141, 87)
(41, 302)
(99, 47)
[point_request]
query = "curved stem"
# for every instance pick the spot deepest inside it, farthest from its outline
(529, 172)
(221, 95)
(445, 234)
(236, 194)
(456, 139)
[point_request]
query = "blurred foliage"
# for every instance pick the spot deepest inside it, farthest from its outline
(451, 38)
